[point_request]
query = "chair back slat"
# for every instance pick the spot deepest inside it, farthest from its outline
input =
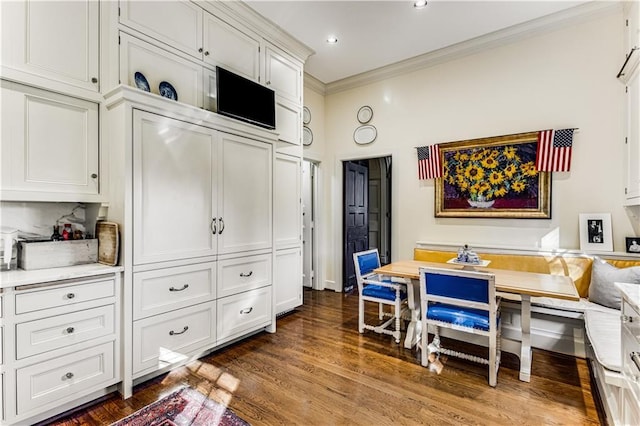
(367, 261)
(456, 287)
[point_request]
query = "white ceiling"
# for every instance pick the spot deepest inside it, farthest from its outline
(372, 34)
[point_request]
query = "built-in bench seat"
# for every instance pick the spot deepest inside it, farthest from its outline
(560, 325)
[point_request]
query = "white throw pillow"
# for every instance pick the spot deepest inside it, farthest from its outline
(603, 276)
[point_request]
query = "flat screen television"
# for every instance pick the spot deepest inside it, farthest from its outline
(244, 99)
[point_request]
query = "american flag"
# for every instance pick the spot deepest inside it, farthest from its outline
(429, 162)
(554, 150)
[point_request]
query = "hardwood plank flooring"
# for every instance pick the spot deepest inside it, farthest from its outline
(318, 370)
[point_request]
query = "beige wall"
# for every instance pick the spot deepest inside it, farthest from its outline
(564, 78)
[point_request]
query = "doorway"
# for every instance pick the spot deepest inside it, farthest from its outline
(366, 212)
(309, 220)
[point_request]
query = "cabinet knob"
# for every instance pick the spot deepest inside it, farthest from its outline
(200, 50)
(70, 295)
(268, 83)
(69, 375)
(94, 80)
(206, 53)
(94, 175)
(70, 330)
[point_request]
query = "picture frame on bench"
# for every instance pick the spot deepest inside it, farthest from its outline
(632, 244)
(595, 232)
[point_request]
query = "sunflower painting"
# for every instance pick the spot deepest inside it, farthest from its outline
(492, 177)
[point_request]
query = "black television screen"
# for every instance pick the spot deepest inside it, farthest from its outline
(244, 99)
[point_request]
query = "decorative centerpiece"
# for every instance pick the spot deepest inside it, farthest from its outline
(468, 258)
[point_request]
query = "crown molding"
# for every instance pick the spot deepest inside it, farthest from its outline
(502, 37)
(312, 83)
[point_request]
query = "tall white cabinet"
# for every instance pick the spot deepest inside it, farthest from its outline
(630, 76)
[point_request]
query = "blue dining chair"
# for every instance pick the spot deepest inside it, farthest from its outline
(381, 290)
(464, 301)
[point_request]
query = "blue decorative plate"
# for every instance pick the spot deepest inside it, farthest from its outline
(167, 90)
(141, 81)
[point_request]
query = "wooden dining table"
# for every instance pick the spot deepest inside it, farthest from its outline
(524, 284)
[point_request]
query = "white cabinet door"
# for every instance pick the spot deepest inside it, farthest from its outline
(174, 189)
(287, 201)
(632, 184)
(49, 146)
(52, 39)
(288, 279)
(158, 65)
(231, 48)
(175, 23)
(283, 74)
(288, 121)
(244, 185)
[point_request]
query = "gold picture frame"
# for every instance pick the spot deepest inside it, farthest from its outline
(493, 177)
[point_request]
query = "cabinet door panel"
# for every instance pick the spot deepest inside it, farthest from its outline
(244, 182)
(176, 23)
(287, 201)
(49, 142)
(283, 74)
(58, 40)
(158, 65)
(633, 140)
(231, 48)
(288, 279)
(174, 189)
(288, 121)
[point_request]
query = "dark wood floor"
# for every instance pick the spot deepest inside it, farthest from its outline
(317, 370)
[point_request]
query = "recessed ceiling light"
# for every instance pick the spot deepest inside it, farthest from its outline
(419, 4)
(332, 39)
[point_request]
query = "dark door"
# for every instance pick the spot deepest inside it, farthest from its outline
(356, 222)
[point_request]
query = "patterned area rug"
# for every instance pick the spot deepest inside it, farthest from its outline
(183, 407)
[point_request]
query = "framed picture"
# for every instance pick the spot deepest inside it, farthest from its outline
(632, 244)
(493, 177)
(595, 232)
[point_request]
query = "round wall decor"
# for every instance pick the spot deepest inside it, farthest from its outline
(306, 115)
(307, 136)
(365, 114)
(365, 134)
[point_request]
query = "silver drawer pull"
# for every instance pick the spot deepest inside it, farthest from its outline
(70, 330)
(242, 274)
(246, 311)
(627, 318)
(184, 287)
(68, 376)
(175, 333)
(70, 295)
(635, 357)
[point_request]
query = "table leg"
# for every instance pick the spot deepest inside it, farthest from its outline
(413, 301)
(525, 349)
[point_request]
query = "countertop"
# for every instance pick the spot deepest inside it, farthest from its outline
(22, 277)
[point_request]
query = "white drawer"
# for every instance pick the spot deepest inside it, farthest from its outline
(242, 274)
(54, 380)
(162, 290)
(243, 313)
(169, 338)
(43, 335)
(51, 297)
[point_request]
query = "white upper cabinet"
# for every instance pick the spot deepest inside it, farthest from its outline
(283, 74)
(190, 29)
(173, 189)
(49, 146)
(175, 23)
(231, 48)
(632, 185)
(57, 40)
(244, 188)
